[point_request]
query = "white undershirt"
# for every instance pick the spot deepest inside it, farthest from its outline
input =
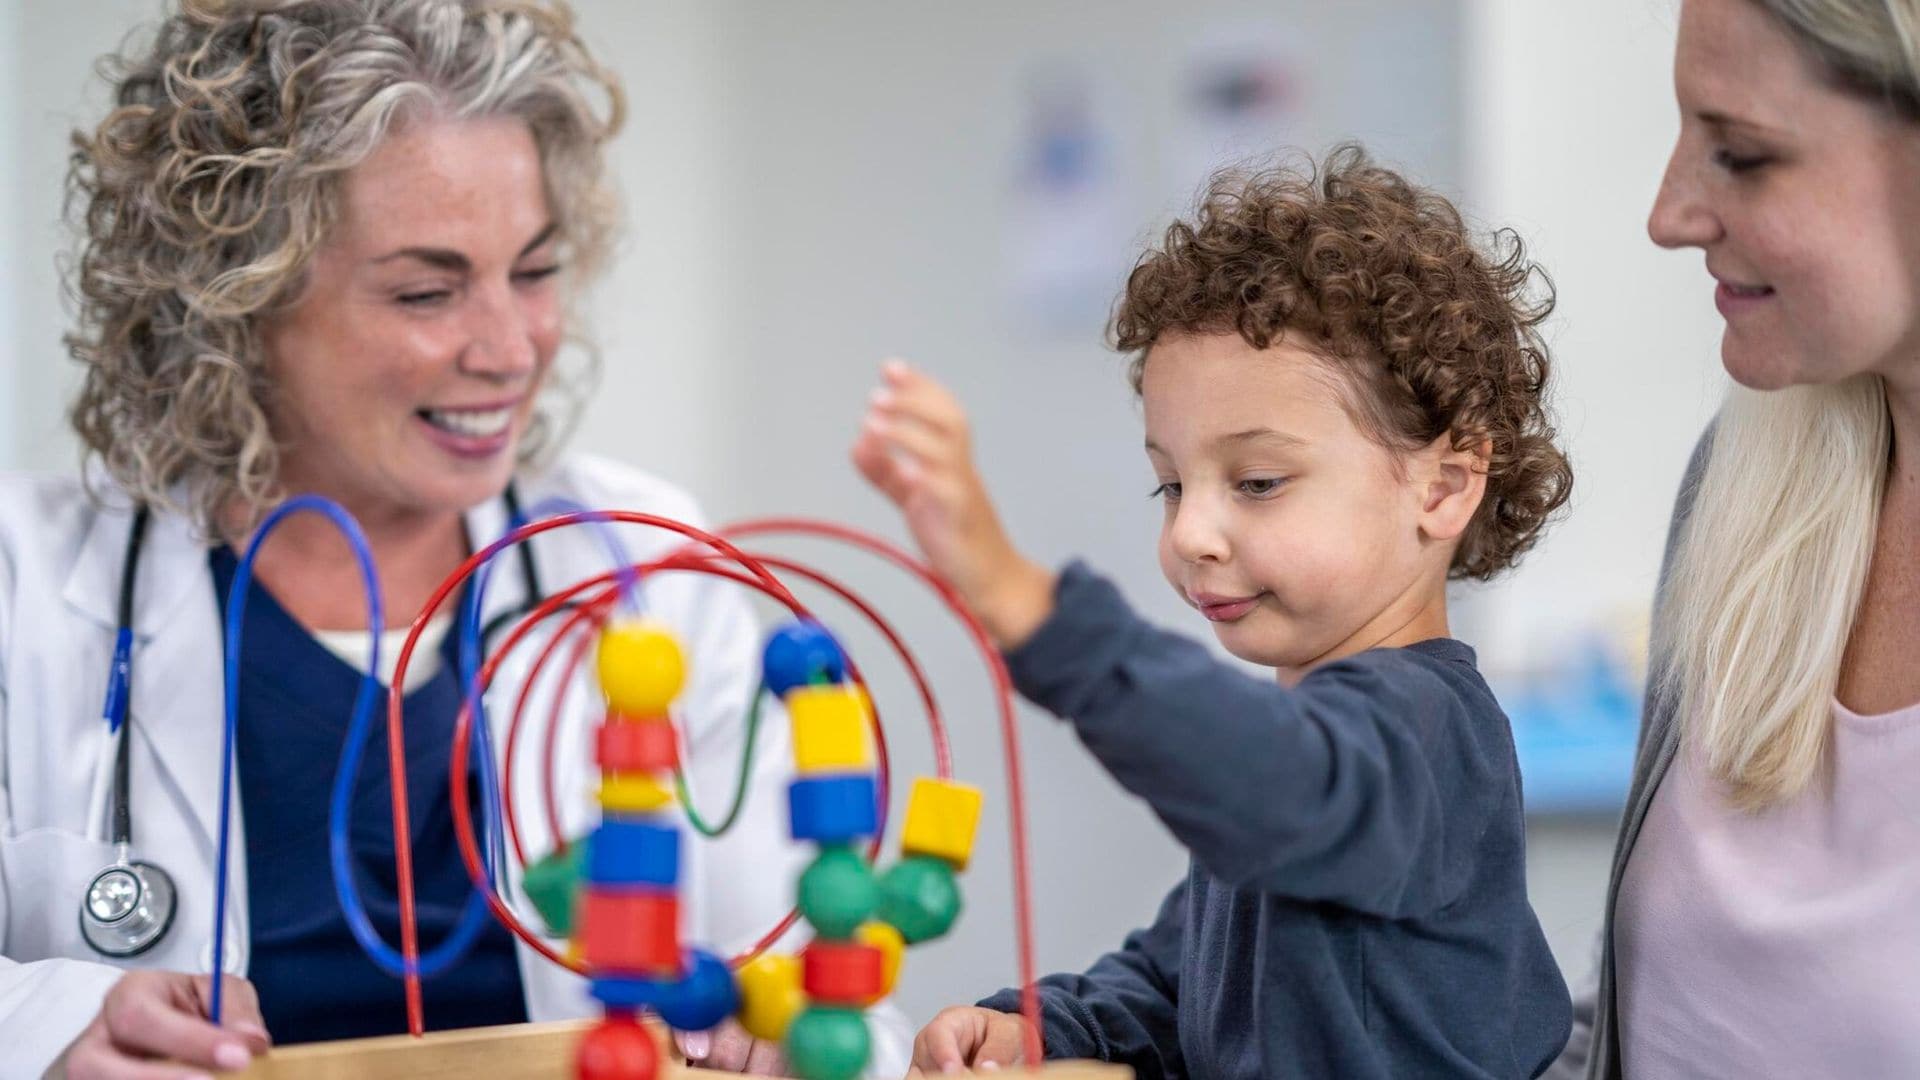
(354, 647)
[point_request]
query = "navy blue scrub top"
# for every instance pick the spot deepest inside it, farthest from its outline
(314, 982)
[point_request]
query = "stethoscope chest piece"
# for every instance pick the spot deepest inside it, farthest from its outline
(130, 904)
(128, 908)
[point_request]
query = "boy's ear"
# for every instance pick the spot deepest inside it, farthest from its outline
(1453, 482)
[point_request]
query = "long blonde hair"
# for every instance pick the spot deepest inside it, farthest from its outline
(1769, 572)
(1767, 577)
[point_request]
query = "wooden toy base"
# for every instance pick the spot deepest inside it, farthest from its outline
(513, 1052)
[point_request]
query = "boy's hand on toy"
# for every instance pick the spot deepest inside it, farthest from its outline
(153, 1017)
(728, 1048)
(968, 1037)
(914, 447)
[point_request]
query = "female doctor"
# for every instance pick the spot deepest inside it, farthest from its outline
(329, 246)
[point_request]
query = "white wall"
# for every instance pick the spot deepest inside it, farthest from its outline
(50, 89)
(662, 316)
(1570, 119)
(813, 187)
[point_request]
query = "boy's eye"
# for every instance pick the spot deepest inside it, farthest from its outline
(1260, 487)
(538, 273)
(1169, 492)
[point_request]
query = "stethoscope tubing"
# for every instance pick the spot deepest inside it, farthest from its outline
(109, 815)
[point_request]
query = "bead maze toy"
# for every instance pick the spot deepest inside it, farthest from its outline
(612, 893)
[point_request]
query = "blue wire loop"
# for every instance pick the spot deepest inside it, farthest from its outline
(472, 647)
(339, 818)
(469, 657)
(603, 527)
(366, 700)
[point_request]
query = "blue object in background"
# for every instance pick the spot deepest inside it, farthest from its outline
(1574, 731)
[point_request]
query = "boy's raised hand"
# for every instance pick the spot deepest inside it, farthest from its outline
(915, 448)
(968, 1037)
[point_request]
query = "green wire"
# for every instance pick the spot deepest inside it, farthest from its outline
(739, 789)
(685, 795)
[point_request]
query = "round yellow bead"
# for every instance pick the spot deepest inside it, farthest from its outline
(641, 667)
(770, 995)
(891, 945)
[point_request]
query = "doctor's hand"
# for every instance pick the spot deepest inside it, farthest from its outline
(153, 1026)
(728, 1048)
(915, 448)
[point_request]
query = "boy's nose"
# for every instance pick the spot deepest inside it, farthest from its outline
(1196, 535)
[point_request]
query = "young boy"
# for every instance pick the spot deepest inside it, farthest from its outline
(1344, 409)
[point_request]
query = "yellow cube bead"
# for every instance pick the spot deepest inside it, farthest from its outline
(829, 729)
(941, 818)
(891, 945)
(641, 667)
(770, 995)
(633, 793)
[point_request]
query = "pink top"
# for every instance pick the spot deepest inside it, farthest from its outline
(1785, 943)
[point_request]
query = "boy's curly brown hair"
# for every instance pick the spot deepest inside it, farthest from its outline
(1380, 278)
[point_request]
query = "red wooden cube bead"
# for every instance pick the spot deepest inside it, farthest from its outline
(843, 972)
(631, 931)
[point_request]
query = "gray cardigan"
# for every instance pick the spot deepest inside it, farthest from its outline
(1593, 1051)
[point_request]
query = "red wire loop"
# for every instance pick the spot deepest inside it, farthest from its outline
(597, 609)
(708, 553)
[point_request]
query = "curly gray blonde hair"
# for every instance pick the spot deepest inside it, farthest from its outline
(204, 194)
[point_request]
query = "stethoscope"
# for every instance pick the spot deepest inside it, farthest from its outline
(130, 904)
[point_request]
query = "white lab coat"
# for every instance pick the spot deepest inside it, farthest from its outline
(60, 561)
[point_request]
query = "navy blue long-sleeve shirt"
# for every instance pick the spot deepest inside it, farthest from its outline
(1356, 904)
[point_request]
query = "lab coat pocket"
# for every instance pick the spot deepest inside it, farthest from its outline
(46, 872)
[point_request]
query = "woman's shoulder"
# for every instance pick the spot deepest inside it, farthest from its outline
(601, 483)
(46, 513)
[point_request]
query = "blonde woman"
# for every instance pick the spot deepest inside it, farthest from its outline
(1764, 912)
(328, 246)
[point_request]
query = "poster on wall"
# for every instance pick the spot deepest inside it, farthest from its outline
(1243, 95)
(1067, 231)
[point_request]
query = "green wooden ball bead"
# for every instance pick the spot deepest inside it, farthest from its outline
(919, 898)
(838, 892)
(828, 1044)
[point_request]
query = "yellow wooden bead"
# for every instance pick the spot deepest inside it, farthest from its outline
(941, 818)
(770, 995)
(829, 729)
(641, 667)
(633, 793)
(891, 945)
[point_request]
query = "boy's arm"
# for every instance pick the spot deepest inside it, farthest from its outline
(1332, 792)
(1338, 790)
(1123, 1009)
